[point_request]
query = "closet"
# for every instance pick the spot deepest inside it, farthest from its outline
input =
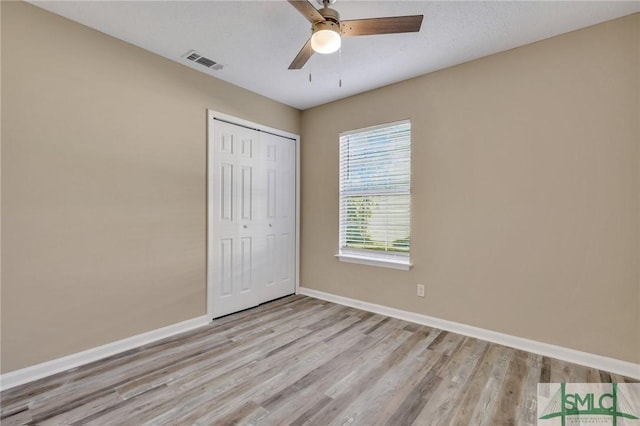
(252, 206)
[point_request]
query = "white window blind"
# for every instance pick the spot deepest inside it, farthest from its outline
(375, 192)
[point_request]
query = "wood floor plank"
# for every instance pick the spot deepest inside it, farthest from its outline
(378, 362)
(365, 376)
(242, 385)
(489, 397)
(125, 411)
(68, 397)
(473, 390)
(303, 418)
(455, 377)
(300, 360)
(302, 394)
(416, 399)
(379, 382)
(21, 417)
(509, 401)
(382, 400)
(276, 389)
(528, 403)
(204, 385)
(237, 416)
(83, 411)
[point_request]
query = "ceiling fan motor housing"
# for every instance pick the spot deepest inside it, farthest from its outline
(330, 15)
(326, 25)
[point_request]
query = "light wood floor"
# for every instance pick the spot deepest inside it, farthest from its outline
(300, 360)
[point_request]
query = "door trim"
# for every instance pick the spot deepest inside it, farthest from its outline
(212, 117)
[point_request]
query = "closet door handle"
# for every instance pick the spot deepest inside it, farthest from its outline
(244, 226)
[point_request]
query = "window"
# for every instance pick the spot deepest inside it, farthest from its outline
(375, 195)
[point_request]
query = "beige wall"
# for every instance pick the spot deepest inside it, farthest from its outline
(103, 185)
(526, 195)
(525, 199)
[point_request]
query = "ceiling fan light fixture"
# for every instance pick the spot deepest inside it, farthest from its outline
(326, 37)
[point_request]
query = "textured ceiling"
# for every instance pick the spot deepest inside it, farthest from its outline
(257, 40)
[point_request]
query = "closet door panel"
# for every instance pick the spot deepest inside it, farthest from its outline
(234, 248)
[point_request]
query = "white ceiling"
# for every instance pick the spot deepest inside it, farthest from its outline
(257, 40)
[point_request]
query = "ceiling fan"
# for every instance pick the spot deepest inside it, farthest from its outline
(328, 29)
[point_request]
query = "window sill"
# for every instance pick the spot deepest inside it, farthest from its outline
(403, 264)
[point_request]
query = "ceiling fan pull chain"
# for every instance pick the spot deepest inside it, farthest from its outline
(340, 67)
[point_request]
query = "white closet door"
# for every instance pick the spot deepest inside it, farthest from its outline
(280, 167)
(235, 248)
(252, 218)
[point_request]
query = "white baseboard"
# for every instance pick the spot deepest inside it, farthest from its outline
(600, 362)
(38, 371)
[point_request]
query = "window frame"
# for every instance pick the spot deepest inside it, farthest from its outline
(395, 260)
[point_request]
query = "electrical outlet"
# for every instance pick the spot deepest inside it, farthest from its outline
(420, 290)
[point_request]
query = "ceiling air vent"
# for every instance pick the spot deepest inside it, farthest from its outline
(196, 57)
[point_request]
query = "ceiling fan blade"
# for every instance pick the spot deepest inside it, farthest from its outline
(307, 10)
(391, 25)
(302, 57)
